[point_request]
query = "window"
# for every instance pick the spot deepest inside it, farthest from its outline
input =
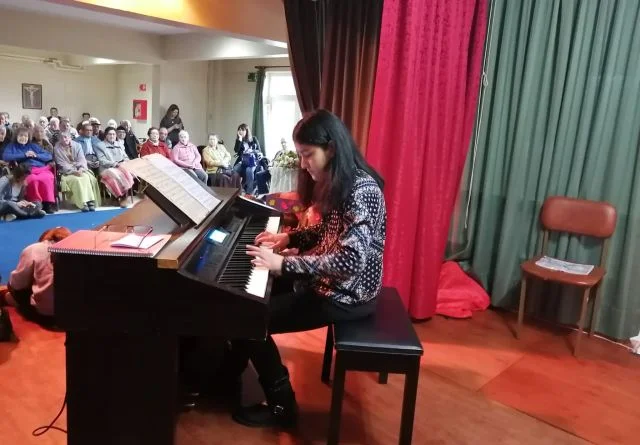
(281, 111)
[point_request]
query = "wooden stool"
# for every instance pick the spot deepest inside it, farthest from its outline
(385, 343)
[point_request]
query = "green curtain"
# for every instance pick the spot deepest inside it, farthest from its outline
(257, 125)
(561, 116)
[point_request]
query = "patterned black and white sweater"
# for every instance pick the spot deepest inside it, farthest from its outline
(346, 263)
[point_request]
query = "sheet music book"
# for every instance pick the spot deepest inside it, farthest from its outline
(564, 266)
(94, 242)
(175, 185)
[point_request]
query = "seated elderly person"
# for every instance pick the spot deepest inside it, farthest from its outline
(217, 161)
(164, 137)
(186, 155)
(154, 145)
(65, 126)
(40, 182)
(43, 121)
(31, 283)
(89, 143)
(115, 178)
(40, 138)
(52, 131)
(95, 124)
(77, 181)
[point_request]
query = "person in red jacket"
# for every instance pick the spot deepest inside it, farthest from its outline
(154, 145)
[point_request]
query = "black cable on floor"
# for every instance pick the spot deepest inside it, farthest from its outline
(44, 429)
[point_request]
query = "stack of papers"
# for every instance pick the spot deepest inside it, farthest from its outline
(135, 241)
(564, 266)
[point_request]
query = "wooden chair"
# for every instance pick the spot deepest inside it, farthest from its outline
(579, 217)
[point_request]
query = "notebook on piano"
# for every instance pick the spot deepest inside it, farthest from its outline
(92, 242)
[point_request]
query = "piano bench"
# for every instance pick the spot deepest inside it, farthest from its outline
(384, 343)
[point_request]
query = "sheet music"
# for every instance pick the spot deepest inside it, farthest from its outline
(173, 186)
(564, 266)
(190, 185)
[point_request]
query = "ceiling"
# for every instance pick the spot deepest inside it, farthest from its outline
(92, 16)
(37, 55)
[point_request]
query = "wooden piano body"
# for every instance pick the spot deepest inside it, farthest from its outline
(123, 317)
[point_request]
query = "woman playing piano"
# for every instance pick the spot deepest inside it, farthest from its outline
(338, 272)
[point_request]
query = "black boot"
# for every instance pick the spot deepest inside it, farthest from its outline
(281, 409)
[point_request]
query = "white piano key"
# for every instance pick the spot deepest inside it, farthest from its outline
(259, 277)
(273, 224)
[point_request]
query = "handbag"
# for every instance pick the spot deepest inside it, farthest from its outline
(248, 159)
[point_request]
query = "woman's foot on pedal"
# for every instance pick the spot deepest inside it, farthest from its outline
(92, 206)
(49, 208)
(85, 208)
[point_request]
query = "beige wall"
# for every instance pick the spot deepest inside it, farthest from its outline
(129, 79)
(185, 84)
(232, 95)
(92, 90)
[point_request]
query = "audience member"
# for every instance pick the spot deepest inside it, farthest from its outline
(116, 179)
(24, 119)
(29, 125)
(40, 182)
(89, 144)
(85, 116)
(65, 126)
(173, 123)
(39, 138)
(217, 161)
(53, 112)
(43, 121)
(95, 123)
(154, 144)
(13, 204)
(52, 131)
(130, 140)
(121, 135)
(247, 148)
(4, 139)
(31, 283)
(7, 118)
(112, 123)
(186, 155)
(163, 137)
(77, 180)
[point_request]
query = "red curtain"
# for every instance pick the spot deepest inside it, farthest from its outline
(426, 89)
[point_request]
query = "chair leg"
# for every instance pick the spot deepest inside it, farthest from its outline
(583, 312)
(336, 401)
(596, 310)
(409, 403)
(523, 292)
(383, 377)
(328, 355)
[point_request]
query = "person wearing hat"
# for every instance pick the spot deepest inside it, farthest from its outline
(95, 123)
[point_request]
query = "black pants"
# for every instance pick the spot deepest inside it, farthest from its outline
(22, 298)
(291, 312)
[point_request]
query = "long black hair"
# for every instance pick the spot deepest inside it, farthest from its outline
(247, 136)
(324, 129)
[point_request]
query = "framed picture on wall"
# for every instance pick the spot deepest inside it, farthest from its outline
(140, 109)
(31, 96)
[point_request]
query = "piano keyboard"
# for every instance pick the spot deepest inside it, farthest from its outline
(239, 272)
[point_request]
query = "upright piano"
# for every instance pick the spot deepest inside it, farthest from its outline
(123, 317)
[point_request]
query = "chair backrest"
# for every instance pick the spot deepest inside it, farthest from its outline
(578, 216)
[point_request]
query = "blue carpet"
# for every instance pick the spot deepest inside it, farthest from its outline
(16, 235)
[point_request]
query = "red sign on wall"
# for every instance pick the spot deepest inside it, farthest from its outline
(140, 109)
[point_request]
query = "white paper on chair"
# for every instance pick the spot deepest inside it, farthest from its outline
(635, 344)
(564, 266)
